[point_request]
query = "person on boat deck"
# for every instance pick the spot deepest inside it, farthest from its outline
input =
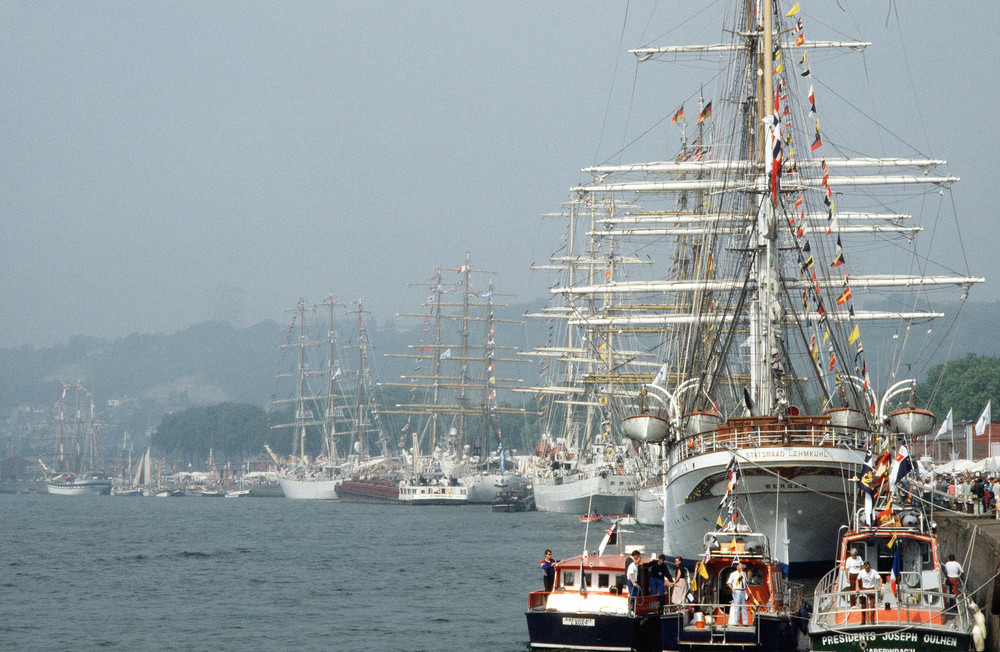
(953, 572)
(853, 565)
(641, 401)
(657, 577)
(678, 584)
(632, 579)
(869, 586)
(548, 570)
(738, 583)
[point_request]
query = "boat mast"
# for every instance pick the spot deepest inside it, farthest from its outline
(329, 425)
(464, 361)
(766, 369)
(300, 403)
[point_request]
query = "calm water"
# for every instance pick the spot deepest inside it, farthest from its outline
(258, 573)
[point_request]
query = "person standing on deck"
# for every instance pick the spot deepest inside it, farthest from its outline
(853, 566)
(632, 579)
(738, 583)
(953, 572)
(679, 587)
(869, 586)
(548, 570)
(657, 577)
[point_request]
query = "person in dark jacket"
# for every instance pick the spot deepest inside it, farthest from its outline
(548, 570)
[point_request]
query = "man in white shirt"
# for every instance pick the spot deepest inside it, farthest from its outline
(738, 583)
(853, 566)
(953, 572)
(632, 579)
(869, 586)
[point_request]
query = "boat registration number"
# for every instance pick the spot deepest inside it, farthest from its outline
(579, 622)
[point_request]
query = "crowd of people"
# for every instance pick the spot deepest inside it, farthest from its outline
(965, 492)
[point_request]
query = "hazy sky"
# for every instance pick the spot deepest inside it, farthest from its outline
(153, 152)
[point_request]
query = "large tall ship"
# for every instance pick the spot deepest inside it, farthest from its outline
(453, 418)
(587, 375)
(776, 266)
(71, 446)
(333, 417)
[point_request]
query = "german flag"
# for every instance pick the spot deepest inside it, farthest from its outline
(705, 113)
(677, 116)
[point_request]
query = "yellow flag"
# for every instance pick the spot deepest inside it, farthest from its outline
(892, 541)
(826, 335)
(703, 571)
(780, 69)
(794, 10)
(855, 334)
(719, 521)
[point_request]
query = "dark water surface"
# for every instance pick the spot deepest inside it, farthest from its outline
(272, 574)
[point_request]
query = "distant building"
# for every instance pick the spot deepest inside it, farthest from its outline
(961, 443)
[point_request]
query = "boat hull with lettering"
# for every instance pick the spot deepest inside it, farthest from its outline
(790, 490)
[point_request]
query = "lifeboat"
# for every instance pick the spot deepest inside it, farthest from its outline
(911, 421)
(845, 417)
(701, 421)
(645, 428)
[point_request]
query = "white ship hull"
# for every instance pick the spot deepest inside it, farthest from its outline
(803, 512)
(79, 487)
(649, 505)
(486, 488)
(608, 494)
(308, 488)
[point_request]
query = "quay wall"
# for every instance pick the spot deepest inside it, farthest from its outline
(975, 542)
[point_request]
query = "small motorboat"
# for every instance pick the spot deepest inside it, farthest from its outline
(592, 517)
(623, 519)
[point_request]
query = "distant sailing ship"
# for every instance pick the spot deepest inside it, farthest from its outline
(588, 375)
(72, 446)
(759, 327)
(457, 440)
(322, 415)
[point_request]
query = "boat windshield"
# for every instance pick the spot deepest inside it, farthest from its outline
(738, 543)
(914, 555)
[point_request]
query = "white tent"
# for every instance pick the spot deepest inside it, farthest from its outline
(954, 466)
(988, 465)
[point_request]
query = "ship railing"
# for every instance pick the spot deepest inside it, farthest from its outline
(907, 608)
(717, 613)
(774, 435)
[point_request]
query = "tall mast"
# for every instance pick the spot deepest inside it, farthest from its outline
(329, 422)
(463, 375)
(765, 311)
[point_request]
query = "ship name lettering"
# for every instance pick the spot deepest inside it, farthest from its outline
(580, 622)
(940, 640)
(905, 637)
(847, 638)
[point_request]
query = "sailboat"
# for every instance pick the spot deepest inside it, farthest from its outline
(73, 458)
(458, 438)
(141, 482)
(771, 291)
